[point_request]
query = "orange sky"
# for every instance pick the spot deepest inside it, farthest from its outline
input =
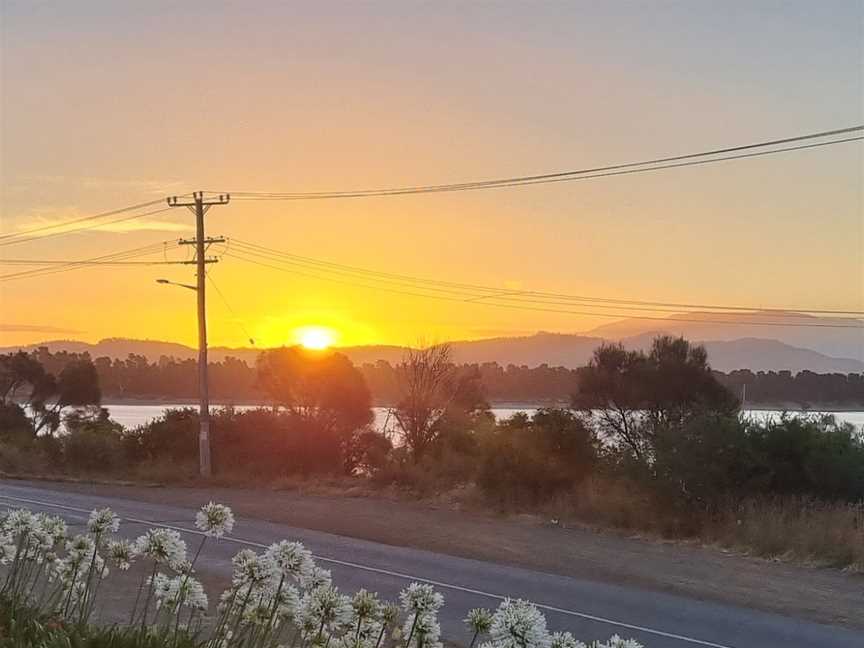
(110, 104)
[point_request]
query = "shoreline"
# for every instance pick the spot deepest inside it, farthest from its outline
(828, 408)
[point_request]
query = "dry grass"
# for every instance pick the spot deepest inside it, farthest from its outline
(827, 534)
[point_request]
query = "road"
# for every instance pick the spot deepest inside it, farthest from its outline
(591, 610)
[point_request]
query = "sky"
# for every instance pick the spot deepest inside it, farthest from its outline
(108, 104)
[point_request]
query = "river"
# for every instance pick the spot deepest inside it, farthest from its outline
(131, 416)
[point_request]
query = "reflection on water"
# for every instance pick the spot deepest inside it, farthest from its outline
(131, 416)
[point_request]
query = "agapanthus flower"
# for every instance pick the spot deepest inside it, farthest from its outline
(258, 614)
(55, 527)
(479, 620)
(565, 640)
(315, 578)
(617, 642)
(365, 604)
(162, 546)
(122, 553)
(251, 569)
(292, 559)
(182, 590)
(7, 549)
(80, 547)
(21, 521)
(287, 600)
(422, 630)
(519, 624)
(161, 584)
(215, 520)
(420, 597)
(327, 607)
(103, 521)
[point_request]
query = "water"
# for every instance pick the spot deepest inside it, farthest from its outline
(131, 416)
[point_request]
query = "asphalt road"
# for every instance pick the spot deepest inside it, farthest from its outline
(589, 609)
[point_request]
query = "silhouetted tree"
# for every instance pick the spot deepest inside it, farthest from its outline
(427, 388)
(322, 387)
(631, 396)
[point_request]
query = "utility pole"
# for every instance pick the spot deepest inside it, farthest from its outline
(200, 206)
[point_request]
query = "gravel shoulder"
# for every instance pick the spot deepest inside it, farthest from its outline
(822, 595)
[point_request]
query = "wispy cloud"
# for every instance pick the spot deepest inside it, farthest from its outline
(154, 187)
(36, 328)
(42, 217)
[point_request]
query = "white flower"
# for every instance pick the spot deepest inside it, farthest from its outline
(292, 559)
(317, 577)
(251, 569)
(518, 624)
(326, 607)
(162, 546)
(80, 548)
(565, 640)
(479, 620)
(55, 527)
(103, 520)
(419, 597)
(7, 549)
(215, 520)
(121, 553)
(161, 584)
(287, 601)
(21, 521)
(617, 642)
(421, 630)
(366, 605)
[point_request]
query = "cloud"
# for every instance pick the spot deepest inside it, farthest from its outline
(42, 217)
(36, 328)
(159, 187)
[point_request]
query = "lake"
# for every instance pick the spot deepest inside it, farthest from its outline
(134, 415)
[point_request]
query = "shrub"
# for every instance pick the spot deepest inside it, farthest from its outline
(808, 455)
(93, 449)
(527, 465)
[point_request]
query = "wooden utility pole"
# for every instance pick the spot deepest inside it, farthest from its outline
(200, 206)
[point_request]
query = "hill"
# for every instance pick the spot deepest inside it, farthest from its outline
(554, 349)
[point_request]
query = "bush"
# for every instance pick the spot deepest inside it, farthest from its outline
(808, 455)
(529, 464)
(15, 428)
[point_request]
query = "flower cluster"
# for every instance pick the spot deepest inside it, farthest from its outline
(163, 546)
(277, 597)
(421, 603)
(215, 520)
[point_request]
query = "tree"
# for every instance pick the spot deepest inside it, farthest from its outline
(77, 386)
(632, 396)
(321, 387)
(611, 396)
(24, 378)
(427, 387)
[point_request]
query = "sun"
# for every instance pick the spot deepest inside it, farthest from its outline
(315, 337)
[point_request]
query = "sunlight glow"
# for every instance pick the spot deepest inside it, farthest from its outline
(315, 337)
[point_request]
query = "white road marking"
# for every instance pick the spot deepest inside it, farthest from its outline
(387, 572)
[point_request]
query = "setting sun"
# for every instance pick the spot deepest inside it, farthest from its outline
(315, 337)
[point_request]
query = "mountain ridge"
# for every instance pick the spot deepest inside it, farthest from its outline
(554, 349)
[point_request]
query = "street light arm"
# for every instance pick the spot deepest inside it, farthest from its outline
(174, 283)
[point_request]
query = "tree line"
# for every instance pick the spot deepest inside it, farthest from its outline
(234, 381)
(649, 440)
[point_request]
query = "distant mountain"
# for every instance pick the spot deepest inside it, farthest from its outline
(827, 338)
(554, 349)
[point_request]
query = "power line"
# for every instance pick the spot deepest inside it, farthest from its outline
(237, 319)
(82, 228)
(46, 262)
(113, 212)
(476, 291)
(250, 258)
(564, 176)
(124, 255)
